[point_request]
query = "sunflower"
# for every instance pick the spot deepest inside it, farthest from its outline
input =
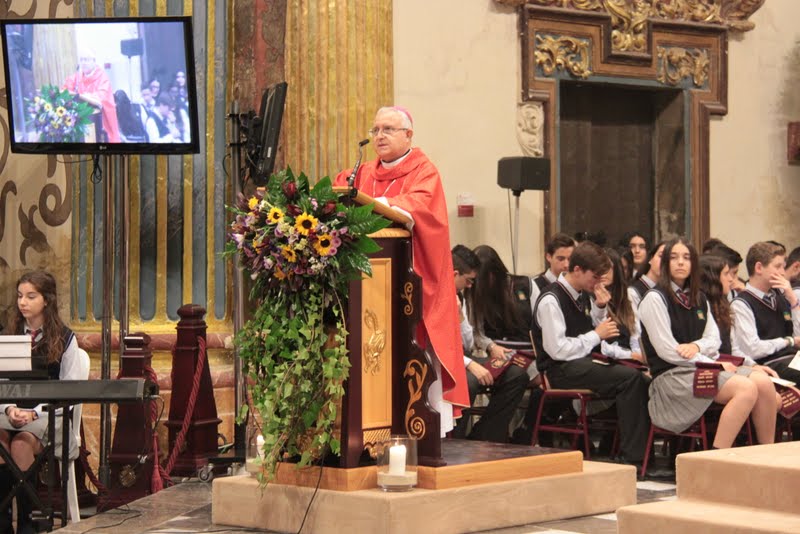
(305, 223)
(279, 274)
(289, 253)
(275, 215)
(252, 203)
(323, 244)
(60, 110)
(48, 106)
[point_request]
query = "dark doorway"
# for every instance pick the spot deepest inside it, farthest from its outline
(622, 161)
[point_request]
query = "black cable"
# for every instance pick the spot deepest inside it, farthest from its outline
(97, 173)
(316, 489)
(138, 513)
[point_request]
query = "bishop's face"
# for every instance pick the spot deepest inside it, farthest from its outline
(391, 139)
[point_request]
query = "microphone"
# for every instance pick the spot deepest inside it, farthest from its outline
(352, 178)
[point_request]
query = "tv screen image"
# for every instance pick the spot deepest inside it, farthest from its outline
(101, 86)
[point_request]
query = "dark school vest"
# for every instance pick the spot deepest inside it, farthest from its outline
(770, 323)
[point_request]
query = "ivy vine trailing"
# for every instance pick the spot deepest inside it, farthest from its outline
(302, 247)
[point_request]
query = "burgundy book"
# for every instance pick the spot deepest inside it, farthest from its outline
(498, 366)
(705, 379)
(790, 400)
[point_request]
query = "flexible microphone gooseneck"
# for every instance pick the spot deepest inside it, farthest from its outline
(352, 178)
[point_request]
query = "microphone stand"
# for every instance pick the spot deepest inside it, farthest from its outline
(352, 178)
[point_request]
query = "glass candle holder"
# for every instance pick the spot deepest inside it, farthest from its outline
(397, 464)
(254, 454)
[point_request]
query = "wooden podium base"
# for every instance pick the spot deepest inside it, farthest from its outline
(468, 463)
(592, 488)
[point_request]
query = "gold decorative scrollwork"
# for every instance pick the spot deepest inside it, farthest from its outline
(375, 345)
(127, 476)
(408, 293)
(629, 18)
(676, 63)
(374, 440)
(563, 53)
(416, 372)
(629, 25)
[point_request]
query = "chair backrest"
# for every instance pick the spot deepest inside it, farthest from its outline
(77, 409)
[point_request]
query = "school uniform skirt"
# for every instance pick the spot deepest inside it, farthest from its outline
(672, 404)
(39, 429)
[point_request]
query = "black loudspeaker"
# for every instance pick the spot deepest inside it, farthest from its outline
(131, 47)
(523, 173)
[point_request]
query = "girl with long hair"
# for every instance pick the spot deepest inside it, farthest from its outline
(626, 345)
(54, 351)
(678, 332)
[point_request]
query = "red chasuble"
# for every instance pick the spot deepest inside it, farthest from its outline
(98, 85)
(414, 185)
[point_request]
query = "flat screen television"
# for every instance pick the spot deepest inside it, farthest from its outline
(267, 137)
(101, 86)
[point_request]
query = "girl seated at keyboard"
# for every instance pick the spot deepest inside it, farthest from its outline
(23, 428)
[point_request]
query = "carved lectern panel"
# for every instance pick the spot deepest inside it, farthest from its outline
(376, 328)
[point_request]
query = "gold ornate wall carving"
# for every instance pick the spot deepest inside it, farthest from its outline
(563, 53)
(339, 69)
(630, 19)
(676, 64)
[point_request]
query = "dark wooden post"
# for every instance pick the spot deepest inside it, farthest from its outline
(201, 437)
(131, 459)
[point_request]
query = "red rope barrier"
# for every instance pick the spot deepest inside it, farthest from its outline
(181, 437)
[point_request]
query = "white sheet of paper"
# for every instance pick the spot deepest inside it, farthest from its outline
(782, 382)
(795, 363)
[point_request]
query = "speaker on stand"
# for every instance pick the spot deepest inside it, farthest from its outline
(130, 48)
(520, 174)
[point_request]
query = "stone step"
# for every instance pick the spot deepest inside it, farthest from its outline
(763, 476)
(682, 516)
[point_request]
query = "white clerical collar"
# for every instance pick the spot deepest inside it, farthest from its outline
(549, 276)
(396, 162)
(572, 291)
(647, 281)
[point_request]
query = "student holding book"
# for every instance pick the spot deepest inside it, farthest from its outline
(55, 349)
(626, 345)
(568, 326)
(679, 334)
(508, 389)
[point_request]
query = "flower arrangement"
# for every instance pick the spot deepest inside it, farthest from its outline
(301, 247)
(58, 116)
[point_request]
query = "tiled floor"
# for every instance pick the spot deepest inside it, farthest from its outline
(187, 508)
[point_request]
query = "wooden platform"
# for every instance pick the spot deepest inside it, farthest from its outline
(597, 488)
(744, 489)
(468, 463)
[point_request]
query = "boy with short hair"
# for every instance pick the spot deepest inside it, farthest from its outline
(557, 254)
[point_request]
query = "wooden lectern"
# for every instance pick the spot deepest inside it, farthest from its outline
(387, 391)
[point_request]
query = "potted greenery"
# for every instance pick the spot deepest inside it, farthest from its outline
(301, 247)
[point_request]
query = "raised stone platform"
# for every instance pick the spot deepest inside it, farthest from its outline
(744, 489)
(598, 488)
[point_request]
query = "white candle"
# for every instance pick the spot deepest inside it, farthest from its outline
(260, 446)
(397, 460)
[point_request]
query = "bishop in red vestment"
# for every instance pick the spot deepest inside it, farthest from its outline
(405, 179)
(92, 84)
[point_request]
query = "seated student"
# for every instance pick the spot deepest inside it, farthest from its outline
(568, 326)
(508, 390)
(793, 270)
(637, 243)
(678, 331)
(647, 278)
(626, 344)
(557, 254)
(767, 312)
(55, 348)
(734, 260)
